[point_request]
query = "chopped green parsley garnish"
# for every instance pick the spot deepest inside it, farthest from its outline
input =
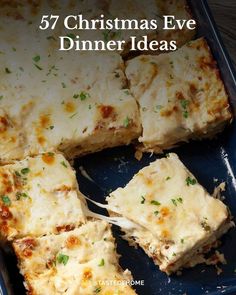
(20, 195)
(7, 71)
(1, 97)
(61, 258)
(71, 35)
(190, 181)
(38, 67)
(6, 200)
(72, 116)
(182, 241)
(205, 225)
(84, 95)
(64, 164)
(156, 203)
(102, 262)
(156, 212)
(63, 85)
(176, 201)
(180, 200)
(184, 104)
(97, 290)
(143, 200)
(127, 92)
(36, 58)
(25, 171)
(168, 178)
(126, 122)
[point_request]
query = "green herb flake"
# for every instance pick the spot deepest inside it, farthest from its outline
(126, 122)
(25, 171)
(71, 35)
(7, 71)
(62, 258)
(17, 174)
(102, 262)
(127, 92)
(38, 67)
(190, 181)
(184, 104)
(156, 213)
(1, 97)
(97, 290)
(72, 116)
(168, 178)
(180, 200)
(63, 85)
(84, 95)
(6, 200)
(143, 200)
(90, 107)
(156, 203)
(20, 195)
(174, 202)
(205, 226)
(64, 164)
(75, 96)
(21, 69)
(36, 58)
(13, 49)
(182, 241)
(185, 114)
(51, 127)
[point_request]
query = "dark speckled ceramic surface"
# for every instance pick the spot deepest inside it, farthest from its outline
(208, 160)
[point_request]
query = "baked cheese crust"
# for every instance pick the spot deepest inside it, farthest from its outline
(174, 217)
(39, 196)
(181, 96)
(73, 102)
(83, 261)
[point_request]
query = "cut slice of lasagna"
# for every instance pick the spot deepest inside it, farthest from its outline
(181, 96)
(169, 214)
(39, 196)
(82, 261)
(75, 102)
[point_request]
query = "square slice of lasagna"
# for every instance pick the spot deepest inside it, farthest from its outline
(181, 96)
(39, 196)
(172, 217)
(75, 102)
(82, 261)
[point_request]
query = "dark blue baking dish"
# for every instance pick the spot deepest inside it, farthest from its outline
(208, 160)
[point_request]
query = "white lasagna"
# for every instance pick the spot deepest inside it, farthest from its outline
(75, 102)
(39, 196)
(169, 214)
(83, 261)
(181, 96)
